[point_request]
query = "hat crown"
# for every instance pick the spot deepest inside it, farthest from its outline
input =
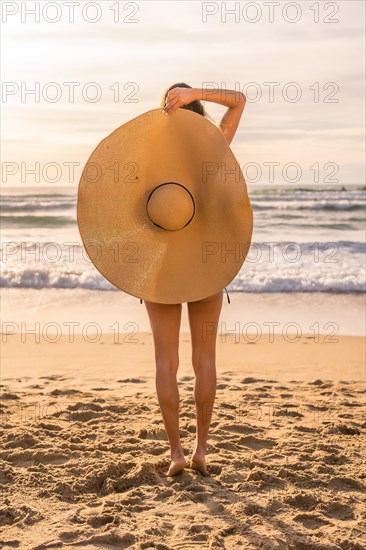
(170, 206)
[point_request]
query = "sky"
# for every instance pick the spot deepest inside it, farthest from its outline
(310, 51)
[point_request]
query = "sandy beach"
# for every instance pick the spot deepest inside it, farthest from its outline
(84, 448)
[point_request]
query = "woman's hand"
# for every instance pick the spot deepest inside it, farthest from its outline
(176, 98)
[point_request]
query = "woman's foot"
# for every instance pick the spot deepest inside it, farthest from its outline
(199, 462)
(178, 463)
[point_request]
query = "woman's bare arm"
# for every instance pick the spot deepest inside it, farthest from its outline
(235, 102)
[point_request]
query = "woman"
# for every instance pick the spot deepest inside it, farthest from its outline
(165, 318)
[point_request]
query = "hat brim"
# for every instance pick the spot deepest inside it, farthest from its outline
(125, 246)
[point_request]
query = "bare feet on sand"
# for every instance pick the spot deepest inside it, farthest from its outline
(178, 463)
(199, 462)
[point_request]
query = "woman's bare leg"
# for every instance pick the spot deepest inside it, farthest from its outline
(165, 324)
(203, 319)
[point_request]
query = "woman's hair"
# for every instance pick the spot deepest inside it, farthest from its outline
(195, 105)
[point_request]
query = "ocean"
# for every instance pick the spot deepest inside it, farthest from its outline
(305, 239)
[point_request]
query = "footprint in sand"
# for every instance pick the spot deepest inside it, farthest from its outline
(112, 538)
(26, 459)
(98, 521)
(64, 392)
(155, 434)
(285, 410)
(252, 508)
(69, 536)
(239, 429)
(338, 510)
(255, 442)
(316, 382)
(227, 445)
(9, 396)
(251, 380)
(347, 403)
(305, 429)
(24, 441)
(23, 515)
(311, 520)
(342, 429)
(303, 501)
(346, 484)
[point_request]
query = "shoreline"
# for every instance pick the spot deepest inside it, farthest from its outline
(248, 313)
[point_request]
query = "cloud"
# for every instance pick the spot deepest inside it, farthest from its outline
(171, 43)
